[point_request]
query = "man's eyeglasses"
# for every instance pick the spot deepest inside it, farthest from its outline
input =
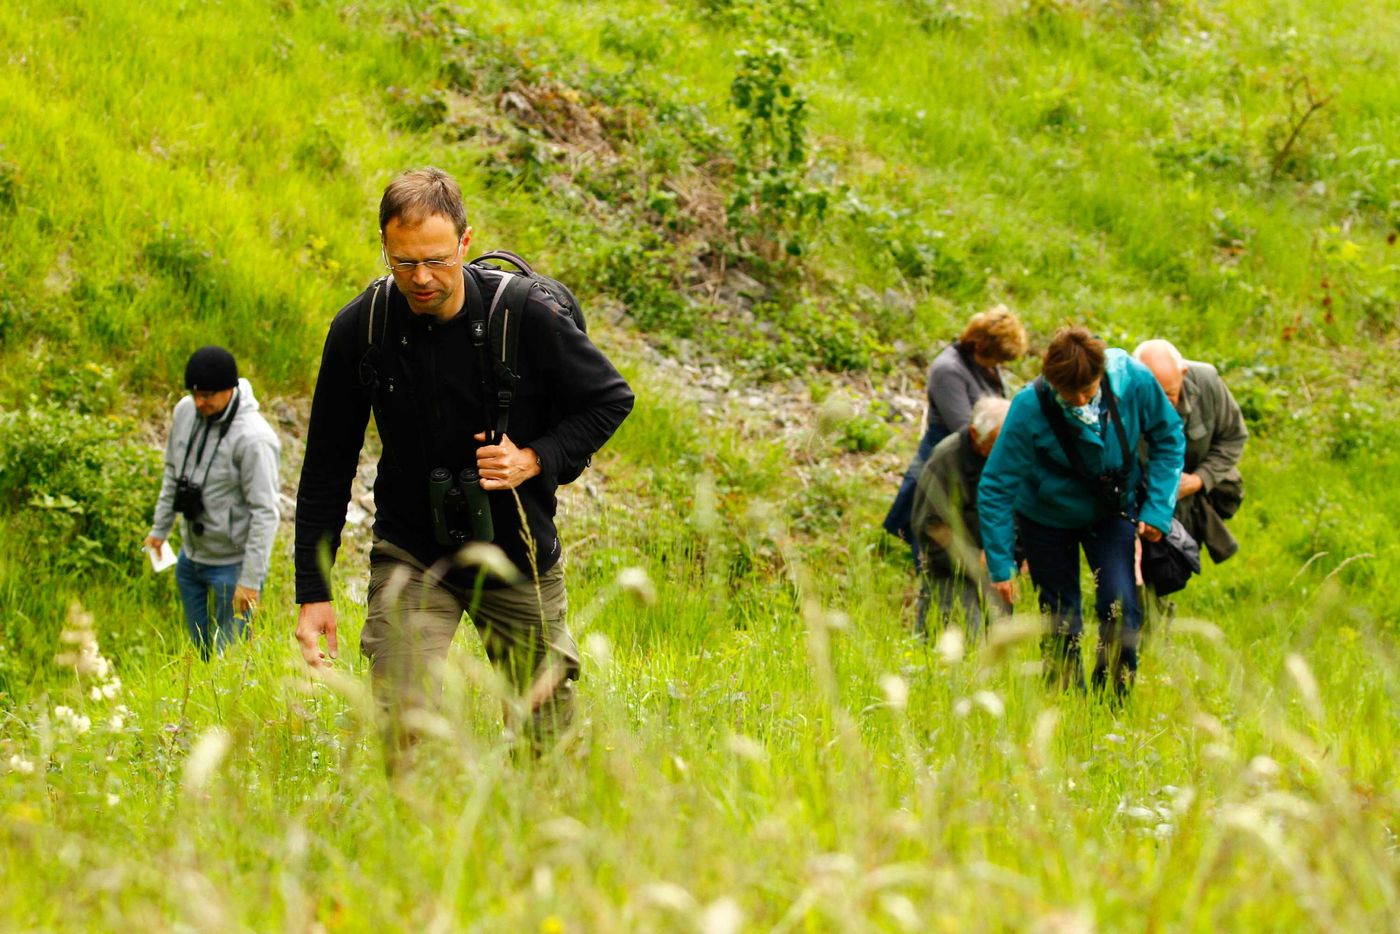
(409, 266)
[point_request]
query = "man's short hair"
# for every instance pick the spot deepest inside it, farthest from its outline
(1162, 346)
(1074, 359)
(988, 414)
(420, 193)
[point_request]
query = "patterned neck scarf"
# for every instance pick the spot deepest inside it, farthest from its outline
(1088, 413)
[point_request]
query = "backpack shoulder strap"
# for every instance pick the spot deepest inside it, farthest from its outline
(371, 332)
(1060, 426)
(503, 326)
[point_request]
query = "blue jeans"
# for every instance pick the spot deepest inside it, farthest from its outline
(899, 521)
(1110, 547)
(197, 582)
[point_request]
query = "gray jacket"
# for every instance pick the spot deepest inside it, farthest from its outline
(240, 485)
(955, 384)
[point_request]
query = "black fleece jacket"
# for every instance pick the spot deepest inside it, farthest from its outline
(430, 402)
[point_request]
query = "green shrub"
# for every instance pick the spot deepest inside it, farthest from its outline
(82, 488)
(9, 184)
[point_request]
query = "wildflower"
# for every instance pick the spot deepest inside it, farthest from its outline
(598, 648)
(635, 581)
(113, 800)
(1307, 684)
(668, 895)
(951, 645)
(1044, 734)
(490, 559)
(81, 724)
(990, 702)
(896, 691)
(722, 916)
(95, 693)
(209, 750)
(746, 747)
(21, 765)
(116, 723)
(1263, 769)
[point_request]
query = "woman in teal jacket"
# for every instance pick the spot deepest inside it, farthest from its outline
(1098, 499)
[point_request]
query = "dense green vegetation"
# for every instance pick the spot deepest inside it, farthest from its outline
(809, 194)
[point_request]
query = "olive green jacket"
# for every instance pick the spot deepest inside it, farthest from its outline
(1215, 437)
(1215, 430)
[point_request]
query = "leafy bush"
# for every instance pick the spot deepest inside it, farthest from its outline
(81, 487)
(773, 195)
(9, 184)
(416, 111)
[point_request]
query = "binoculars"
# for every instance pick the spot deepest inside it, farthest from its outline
(460, 508)
(189, 502)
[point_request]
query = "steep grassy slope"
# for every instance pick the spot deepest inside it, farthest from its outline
(763, 740)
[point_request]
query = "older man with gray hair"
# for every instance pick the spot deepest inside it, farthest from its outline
(1211, 487)
(954, 572)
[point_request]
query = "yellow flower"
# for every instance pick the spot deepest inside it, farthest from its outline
(552, 924)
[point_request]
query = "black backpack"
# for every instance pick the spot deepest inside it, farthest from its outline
(495, 331)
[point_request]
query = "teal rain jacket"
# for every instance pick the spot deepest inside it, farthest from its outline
(1029, 474)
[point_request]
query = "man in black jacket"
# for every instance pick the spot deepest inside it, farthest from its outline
(417, 367)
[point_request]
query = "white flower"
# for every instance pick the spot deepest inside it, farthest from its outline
(722, 916)
(63, 714)
(113, 800)
(635, 581)
(746, 747)
(81, 724)
(896, 691)
(989, 702)
(116, 723)
(598, 648)
(21, 765)
(952, 645)
(209, 750)
(95, 693)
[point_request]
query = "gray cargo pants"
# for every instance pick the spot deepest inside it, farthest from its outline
(414, 614)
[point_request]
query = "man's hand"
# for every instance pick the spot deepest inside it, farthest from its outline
(1006, 590)
(1149, 532)
(314, 621)
(153, 543)
(504, 466)
(1190, 485)
(245, 599)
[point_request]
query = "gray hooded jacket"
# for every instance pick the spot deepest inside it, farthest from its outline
(239, 479)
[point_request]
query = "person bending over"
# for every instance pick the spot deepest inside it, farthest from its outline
(954, 571)
(1065, 470)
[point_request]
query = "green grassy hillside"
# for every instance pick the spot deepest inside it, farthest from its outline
(800, 201)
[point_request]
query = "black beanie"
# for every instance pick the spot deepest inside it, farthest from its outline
(211, 369)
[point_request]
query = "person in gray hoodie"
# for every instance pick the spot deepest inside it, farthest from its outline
(221, 463)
